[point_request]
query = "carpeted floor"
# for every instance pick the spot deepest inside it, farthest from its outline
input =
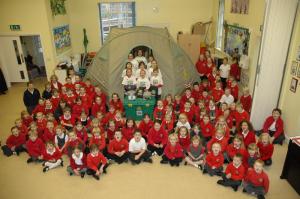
(19, 180)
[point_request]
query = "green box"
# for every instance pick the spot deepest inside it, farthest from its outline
(136, 109)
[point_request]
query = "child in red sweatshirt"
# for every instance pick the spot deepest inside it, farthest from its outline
(207, 129)
(234, 173)
(15, 143)
(266, 148)
(159, 111)
(173, 152)
(218, 138)
(73, 141)
(214, 161)
(145, 125)
(96, 162)
(97, 139)
(35, 148)
(118, 148)
(52, 157)
(246, 131)
(236, 147)
(77, 163)
(184, 138)
(256, 180)
(157, 139)
(246, 100)
(128, 129)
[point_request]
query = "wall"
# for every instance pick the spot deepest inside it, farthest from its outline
(178, 15)
(35, 18)
(289, 101)
(253, 20)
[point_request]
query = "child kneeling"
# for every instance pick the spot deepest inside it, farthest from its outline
(173, 152)
(234, 173)
(96, 162)
(138, 149)
(77, 163)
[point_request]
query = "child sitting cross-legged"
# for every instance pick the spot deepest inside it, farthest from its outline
(173, 152)
(214, 161)
(35, 148)
(15, 143)
(195, 153)
(234, 173)
(138, 149)
(52, 157)
(118, 148)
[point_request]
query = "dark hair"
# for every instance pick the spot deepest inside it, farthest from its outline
(195, 83)
(157, 121)
(277, 110)
(94, 147)
(238, 155)
(30, 82)
(250, 127)
(129, 119)
(142, 63)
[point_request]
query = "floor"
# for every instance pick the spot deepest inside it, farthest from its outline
(19, 180)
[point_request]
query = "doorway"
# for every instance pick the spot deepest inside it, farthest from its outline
(33, 56)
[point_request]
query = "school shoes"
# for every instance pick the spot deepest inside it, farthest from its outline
(29, 160)
(149, 160)
(260, 197)
(200, 167)
(62, 163)
(45, 169)
(235, 188)
(82, 175)
(220, 182)
(96, 177)
(204, 171)
(164, 162)
(244, 190)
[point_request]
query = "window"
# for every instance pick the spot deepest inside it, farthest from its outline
(220, 26)
(117, 14)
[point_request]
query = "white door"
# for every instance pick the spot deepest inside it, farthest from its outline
(12, 59)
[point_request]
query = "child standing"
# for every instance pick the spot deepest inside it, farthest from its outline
(195, 153)
(266, 148)
(234, 173)
(214, 161)
(96, 162)
(15, 143)
(52, 157)
(118, 148)
(156, 83)
(173, 152)
(77, 163)
(256, 180)
(138, 149)
(224, 71)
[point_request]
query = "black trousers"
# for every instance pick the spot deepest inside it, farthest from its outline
(30, 109)
(268, 162)
(93, 172)
(279, 139)
(153, 149)
(144, 157)
(230, 182)
(224, 82)
(212, 172)
(8, 152)
(118, 159)
(172, 161)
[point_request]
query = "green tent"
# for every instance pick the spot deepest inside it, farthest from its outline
(175, 65)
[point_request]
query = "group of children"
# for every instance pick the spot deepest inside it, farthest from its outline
(203, 128)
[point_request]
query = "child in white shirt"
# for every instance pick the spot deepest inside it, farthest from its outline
(156, 83)
(140, 58)
(135, 63)
(224, 71)
(153, 67)
(227, 97)
(129, 81)
(138, 149)
(143, 82)
(128, 66)
(142, 66)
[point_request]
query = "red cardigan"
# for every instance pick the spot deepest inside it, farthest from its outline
(207, 130)
(35, 148)
(76, 166)
(223, 142)
(215, 161)
(258, 179)
(249, 138)
(279, 126)
(55, 156)
(236, 173)
(173, 152)
(265, 152)
(94, 161)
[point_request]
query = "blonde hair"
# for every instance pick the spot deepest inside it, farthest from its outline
(173, 135)
(96, 130)
(252, 146)
(182, 116)
(264, 135)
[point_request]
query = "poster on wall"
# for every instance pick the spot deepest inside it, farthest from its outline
(294, 84)
(239, 6)
(62, 39)
(236, 40)
(294, 68)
